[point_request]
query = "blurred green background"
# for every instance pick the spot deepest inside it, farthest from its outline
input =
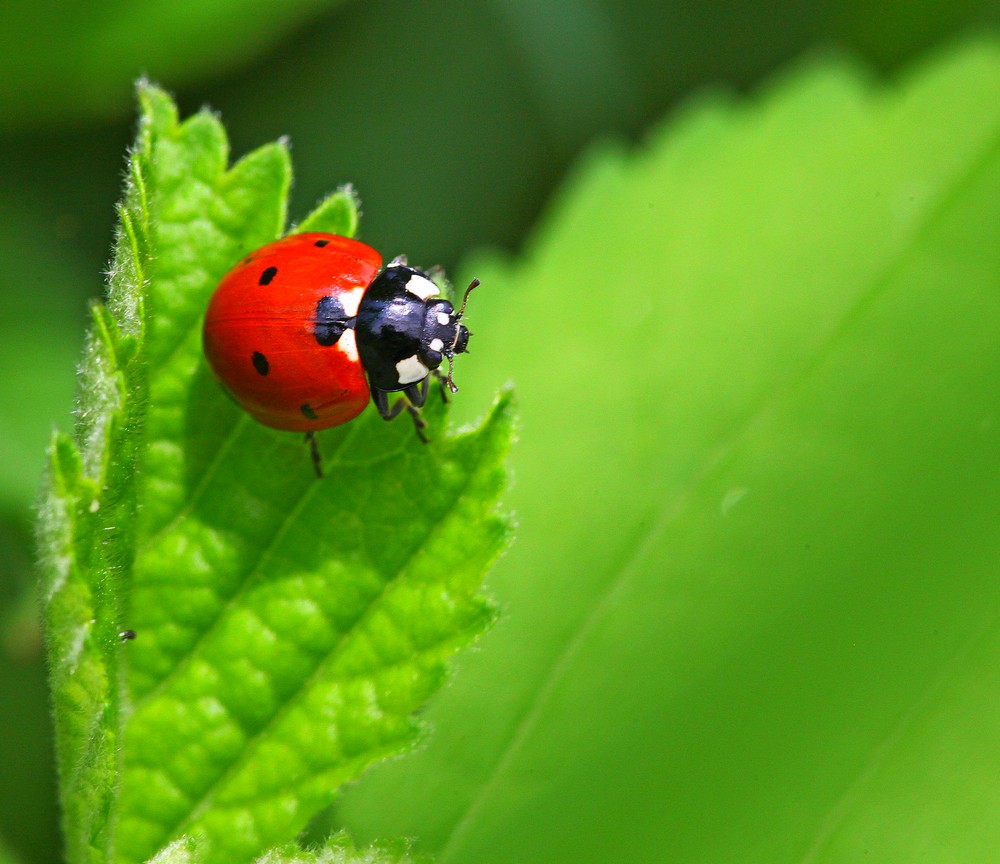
(455, 119)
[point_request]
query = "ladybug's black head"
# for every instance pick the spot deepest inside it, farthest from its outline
(461, 340)
(444, 335)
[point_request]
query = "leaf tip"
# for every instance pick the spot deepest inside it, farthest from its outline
(182, 851)
(157, 107)
(338, 213)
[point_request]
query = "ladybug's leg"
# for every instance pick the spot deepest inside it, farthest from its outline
(442, 385)
(419, 424)
(317, 457)
(414, 397)
(417, 393)
(381, 400)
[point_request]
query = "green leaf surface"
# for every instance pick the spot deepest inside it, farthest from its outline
(286, 628)
(754, 607)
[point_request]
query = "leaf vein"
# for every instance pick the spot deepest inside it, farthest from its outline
(248, 581)
(249, 749)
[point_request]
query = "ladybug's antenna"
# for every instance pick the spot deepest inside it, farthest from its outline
(450, 354)
(465, 299)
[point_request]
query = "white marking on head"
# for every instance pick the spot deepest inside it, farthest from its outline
(422, 287)
(444, 318)
(348, 344)
(411, 370)
(351, 300)
(436, 344)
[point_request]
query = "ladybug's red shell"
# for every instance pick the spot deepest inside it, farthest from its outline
(268, 337)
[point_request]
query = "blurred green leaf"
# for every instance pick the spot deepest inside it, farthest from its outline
(285, 628)
(27, 785)
(753, 606)
(899, 30)
(39, 344)
(6, 855)
(80, 59)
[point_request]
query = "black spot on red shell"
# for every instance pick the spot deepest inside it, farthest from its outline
(330, 321)
(268, 275)
(260, 363)
(307, 411)
(321, 243)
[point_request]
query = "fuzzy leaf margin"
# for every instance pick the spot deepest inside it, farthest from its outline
(286, 628)
(86, 528)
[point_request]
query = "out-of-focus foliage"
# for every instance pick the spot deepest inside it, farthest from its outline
(752, 605)
(454, 119)
(40, 345)
(68, 60)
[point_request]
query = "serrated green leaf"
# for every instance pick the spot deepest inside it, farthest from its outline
(755, 577)
(337, 214)
(287, 628)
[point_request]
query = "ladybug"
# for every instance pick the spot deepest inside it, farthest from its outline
(306, 330)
